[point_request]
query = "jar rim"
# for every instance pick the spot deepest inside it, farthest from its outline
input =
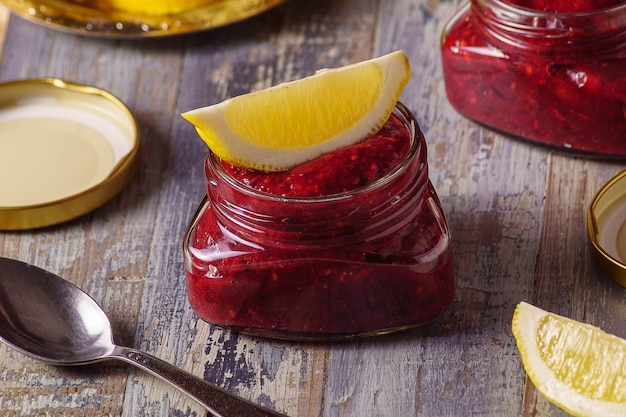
(400, 110)
(506, 6)
(594, 32)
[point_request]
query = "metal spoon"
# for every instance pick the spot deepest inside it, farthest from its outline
(46, 317)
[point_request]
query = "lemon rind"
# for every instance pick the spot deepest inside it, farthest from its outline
(396, 71)
(552, 388)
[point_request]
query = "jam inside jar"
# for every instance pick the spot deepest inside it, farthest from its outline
(552, 77)
(367, 261)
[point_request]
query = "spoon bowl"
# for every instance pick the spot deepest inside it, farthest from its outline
(48, 318)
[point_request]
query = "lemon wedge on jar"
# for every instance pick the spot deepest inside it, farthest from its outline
(576, 366)
(285, 125)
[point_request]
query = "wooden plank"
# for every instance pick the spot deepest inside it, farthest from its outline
(516, 211)
(288, 43)
(567, 281)
(105, 252)
(494, 208)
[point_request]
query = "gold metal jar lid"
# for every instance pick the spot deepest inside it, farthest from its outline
(65, 149)
(606, 223)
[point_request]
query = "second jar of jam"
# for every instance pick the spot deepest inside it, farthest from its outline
(551, 71)
(354, 243)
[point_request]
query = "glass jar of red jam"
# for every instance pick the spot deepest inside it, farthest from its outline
(353, 243)
(551, 71)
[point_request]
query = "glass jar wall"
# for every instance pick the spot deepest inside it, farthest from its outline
(369, 261)
(550, 77)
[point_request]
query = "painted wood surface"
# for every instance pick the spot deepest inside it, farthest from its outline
(516, 210)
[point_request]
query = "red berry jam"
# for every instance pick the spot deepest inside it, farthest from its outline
(352, 243)
(565, 6)
(551, 71)
(338, 172)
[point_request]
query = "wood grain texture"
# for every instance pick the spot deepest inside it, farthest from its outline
(516, 211)
(567, 282)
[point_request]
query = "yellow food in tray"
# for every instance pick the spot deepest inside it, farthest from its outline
(158, 7)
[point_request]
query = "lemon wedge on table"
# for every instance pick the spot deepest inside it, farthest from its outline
(285, 125)
(576, 366)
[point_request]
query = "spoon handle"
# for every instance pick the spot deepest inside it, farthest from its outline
(217, 400)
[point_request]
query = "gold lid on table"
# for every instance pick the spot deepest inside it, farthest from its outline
(606, 224)
(65, 149)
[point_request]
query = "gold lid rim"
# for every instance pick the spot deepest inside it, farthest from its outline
(72, 206)
(607, 263)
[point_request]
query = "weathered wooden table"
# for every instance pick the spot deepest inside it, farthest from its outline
(516, 210)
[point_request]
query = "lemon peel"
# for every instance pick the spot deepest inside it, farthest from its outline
(576, 366)
(285, 125)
